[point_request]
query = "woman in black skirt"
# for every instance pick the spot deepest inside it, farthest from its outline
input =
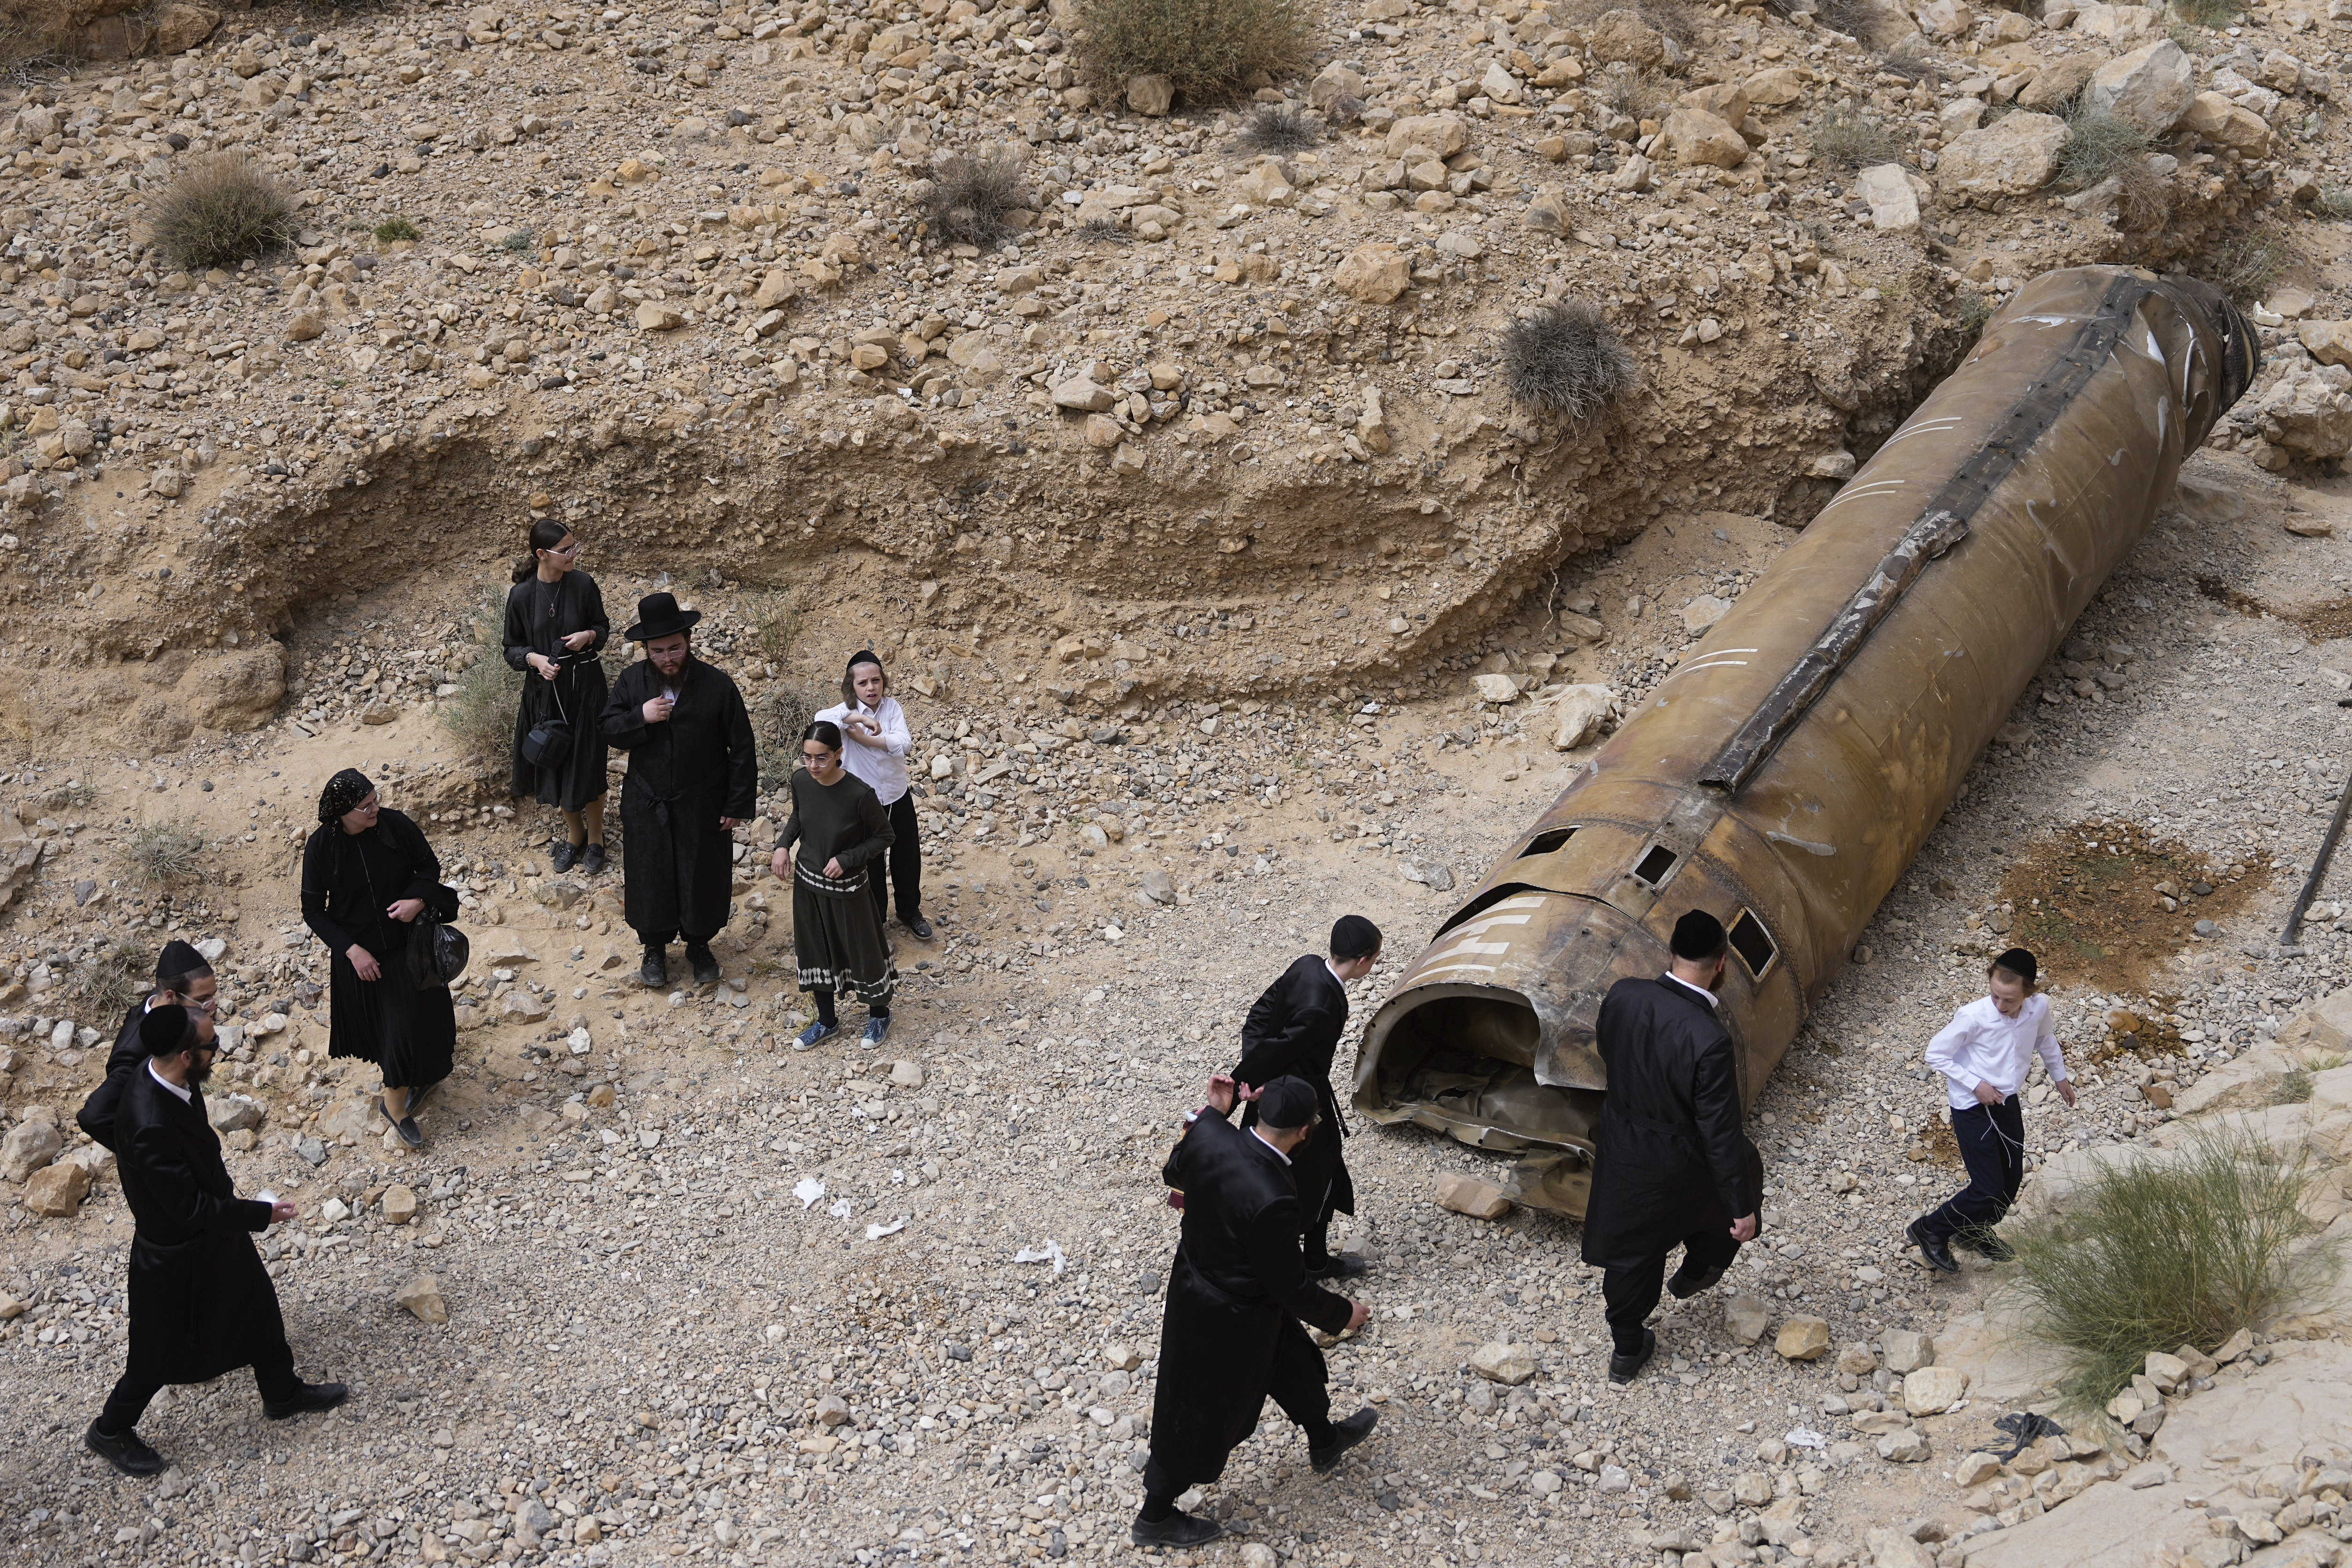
(367, 874)
(556, 630)
(842, 829)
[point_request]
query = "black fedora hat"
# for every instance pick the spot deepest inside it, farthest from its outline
(659, 616)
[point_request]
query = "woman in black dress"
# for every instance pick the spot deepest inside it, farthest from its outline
(841, 828)
(556, 630)
(367, 874)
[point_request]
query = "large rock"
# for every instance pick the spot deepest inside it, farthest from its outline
(1421, 136)
(1375, 273)
(2218, 120)
(1801, 1338)
(58, 1190)
(1331, 84)
(2152, 88)
(1944, 18)
(1578, 714)
(421, 1296)
(1695, 137)
(1906, 1350)
(1622, 38)
(1505, 1364)
(1468, 1194)
(179, 28)
(233, 1114)
(1893, 205)
(1744, 1318)
(1932, 1390)
(29, 1146)
(1150, 96)
(2307, 411)
(2016, 155)
(2054, 83)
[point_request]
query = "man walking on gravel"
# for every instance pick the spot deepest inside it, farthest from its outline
(1230, 1336)
(1293, 1031)
(1984, 1054)
(1672, 1165)
(201, 1304)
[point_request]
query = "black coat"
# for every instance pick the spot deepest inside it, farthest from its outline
(1294, 1028)
(685, 774)
(201, 1304)
(1673, 1159)
(96, 1116)
(348, 880)
(540, 615)
(1238, 1291)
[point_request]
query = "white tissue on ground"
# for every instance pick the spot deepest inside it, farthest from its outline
(808, 1190)
(877, 1232)
(1805, 1437)
(1049, 1253)
(839, 1209)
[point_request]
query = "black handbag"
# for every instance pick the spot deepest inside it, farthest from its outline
(437, 950)
(548, 741)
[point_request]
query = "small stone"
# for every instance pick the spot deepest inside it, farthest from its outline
(306, 325)
(1801, 1338)
(1744, 1318)
(2236, 1345)
(1893, 205)
(1374, 274)
(906, 1075)
(1257, 1554)
(1751, 1488)
(233, 1114)
(832, 1410)
(399, 1201)
(1857, 1360)
(1906, 1350)
(1122, 1357)
(656, 315)
(1468, 1194)
(1976, 1469)
(421, 1296)
(58, 1190)
(1908, 1446)
(1702, 612)
(1496, 687)
(1510, 1365)
(1932, 1390)
(334, 1211)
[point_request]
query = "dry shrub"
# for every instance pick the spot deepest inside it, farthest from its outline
(973, 195)
(164, 852)
(1278, 128)
(1637, 94)
(1207, 48)
(1847, 137)
(220, 212)
(2101, 146)
(775, 627)
(2183, 1248)
(2248, 261)
(1675, 18)
(2207, 12)
(36, 36)
(480, 717)
(1566, 359)
(107, 984)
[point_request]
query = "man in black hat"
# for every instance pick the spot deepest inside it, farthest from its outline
(694, 776)
(1294, 1030)
(1229, 1333)
(201, 1304)
(1672, 1165)
(182, 979)
(1984, 1054)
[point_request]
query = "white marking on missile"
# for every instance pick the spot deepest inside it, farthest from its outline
(2163, 407)
(1475, 947)
(1717, 664)
(1857, 492)
(1721, 657)
(1779, 837)
(1481, 926)
(1921, 427)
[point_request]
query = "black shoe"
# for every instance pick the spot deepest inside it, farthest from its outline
(1338, 1266)
(130, 1455)
(920, 928)
(654, 971)
(314, 1396)
(1179, 1529)
(1987, 1243)
(1623, 1368)
(592, 859)
(1934, 1248)
(404, 1126)
(705, 964)
(563, 857)
(1686, 1284)
(1345, 1435)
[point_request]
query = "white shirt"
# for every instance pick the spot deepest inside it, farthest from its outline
(1701, 992)
(1981, 1046)
(1278, 1152)
(884, 769)
(185, 1097)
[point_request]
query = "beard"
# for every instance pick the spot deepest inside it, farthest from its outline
(198, 1071)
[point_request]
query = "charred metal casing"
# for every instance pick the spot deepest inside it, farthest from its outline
(1786, 772)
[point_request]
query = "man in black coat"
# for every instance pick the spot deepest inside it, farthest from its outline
(1674, 1167)
(694, 777)
(1229, 1334)
(182, 979)
(201, 1304)
(1293, 1031)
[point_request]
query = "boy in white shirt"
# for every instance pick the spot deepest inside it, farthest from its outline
(1984, 1054)
(878, 740)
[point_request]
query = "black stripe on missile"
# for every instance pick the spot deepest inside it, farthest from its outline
(1942, 523)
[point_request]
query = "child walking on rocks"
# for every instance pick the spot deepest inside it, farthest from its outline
(1984, 1054)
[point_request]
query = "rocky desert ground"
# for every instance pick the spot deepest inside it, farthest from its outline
(1197, 522)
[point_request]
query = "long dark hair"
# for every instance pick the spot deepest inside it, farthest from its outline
(545, 534)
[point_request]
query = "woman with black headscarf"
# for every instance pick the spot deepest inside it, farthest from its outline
(556, 629)
(367, 875)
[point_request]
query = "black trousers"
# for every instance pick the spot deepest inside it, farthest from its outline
(664, 938)
(1316, 1180)
(1630, 1293)
(1295, 1385)
(905, 861)
(273, 1377)
(1992, 1145)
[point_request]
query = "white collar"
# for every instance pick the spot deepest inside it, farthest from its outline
(1334, 974)
(187, 1097)
(1260, 1137)
(1701, 992)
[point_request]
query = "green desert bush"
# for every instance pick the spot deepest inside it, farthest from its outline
(1207, 48)
(219, 212)
(2186, 1247)
(480, 715)
(396, 228)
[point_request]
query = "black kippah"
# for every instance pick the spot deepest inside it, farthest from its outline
(1353, 937)
(167, 1032)
(1287, 1102)
(179, 958)
(1699, 935)
(2018, 962)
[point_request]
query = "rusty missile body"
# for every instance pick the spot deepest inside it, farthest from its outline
(1786, 772)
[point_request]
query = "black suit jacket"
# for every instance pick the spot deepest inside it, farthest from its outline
(96, 1116)
(1674, 1158)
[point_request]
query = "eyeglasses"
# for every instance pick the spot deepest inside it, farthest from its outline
(816, 757)
(572, 548)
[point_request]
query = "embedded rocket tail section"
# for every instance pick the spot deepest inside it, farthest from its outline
(1786, 772)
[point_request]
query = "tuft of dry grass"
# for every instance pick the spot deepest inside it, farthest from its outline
(1637, 94)
(1207, 48)
(973, 195)
(106, 986)
(221, 211)
(1566, 359)
(1278, 128)
(775, 627)
(2248, 261)
(163, 852)
(1846, 136)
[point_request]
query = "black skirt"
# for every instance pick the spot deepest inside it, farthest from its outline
(837, 941)
(577, 697)
(409, 1030)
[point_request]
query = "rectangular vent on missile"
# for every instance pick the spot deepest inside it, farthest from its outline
(1653, 866)
(1544, 842)
(1753, 943)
